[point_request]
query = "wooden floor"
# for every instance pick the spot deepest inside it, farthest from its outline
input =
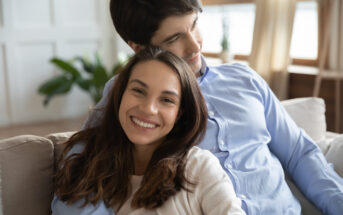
(43, 128)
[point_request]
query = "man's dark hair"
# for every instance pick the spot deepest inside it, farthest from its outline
(138, 20)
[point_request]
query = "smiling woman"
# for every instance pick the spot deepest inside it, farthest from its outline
(152, 97)
(149, 108)
(141, 158)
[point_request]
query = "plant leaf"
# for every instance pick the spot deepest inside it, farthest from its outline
(66, 67)
(85, 84)
(100, 76)
(50, 85)
(116, 68)
(87, 66)
(55, 86)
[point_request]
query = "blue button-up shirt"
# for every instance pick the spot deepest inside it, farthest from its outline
(255, 140)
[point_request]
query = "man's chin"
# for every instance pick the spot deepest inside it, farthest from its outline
(196, 67)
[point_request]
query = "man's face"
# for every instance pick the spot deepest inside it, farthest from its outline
(181, 36)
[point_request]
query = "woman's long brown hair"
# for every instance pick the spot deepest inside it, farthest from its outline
(101, 171)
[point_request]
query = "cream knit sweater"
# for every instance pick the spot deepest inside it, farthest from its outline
(213, 195)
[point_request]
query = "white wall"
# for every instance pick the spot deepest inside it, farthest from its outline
(4, 115)
(34, 31)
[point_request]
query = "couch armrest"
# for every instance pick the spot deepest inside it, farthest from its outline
(26, 169)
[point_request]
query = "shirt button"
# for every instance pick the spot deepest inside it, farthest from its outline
(229, 166)
(221, 142)
(211, 113)
(242, 196)
(213, 149)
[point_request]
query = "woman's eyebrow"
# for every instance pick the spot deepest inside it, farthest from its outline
(171, 93)
(139, 82)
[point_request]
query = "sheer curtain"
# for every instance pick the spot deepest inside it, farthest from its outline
(335, 59)
(333, 10)
(271, 42)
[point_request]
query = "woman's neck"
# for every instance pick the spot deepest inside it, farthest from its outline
(142, 155)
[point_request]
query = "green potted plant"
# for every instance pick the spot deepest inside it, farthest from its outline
(225, 44)
(91, 77)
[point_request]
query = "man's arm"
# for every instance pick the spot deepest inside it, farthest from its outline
(97, 112)
(62, 208)
(301, 157)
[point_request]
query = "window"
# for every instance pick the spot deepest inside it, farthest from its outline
(240, 18)
(304, 44)
(240, 21)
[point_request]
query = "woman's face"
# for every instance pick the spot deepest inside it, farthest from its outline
(150, 104)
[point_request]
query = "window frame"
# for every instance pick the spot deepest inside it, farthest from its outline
(294, 61)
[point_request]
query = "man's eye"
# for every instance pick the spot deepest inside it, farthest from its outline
(194, 26)
(195, 23)
(172, 40)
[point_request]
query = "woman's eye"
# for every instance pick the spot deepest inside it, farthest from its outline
(167, 100)
(137, 91)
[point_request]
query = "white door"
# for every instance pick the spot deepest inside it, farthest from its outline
(4, 115)
(34, 31)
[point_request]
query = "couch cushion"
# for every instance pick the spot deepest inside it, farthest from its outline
(309, 114)
(26, 169)
(58, 139)
(334, 154)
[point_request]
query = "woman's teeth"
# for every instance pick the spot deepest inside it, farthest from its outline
(143, 124)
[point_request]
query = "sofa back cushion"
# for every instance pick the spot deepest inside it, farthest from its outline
(26, 170)
(334, 154)
(309, 114)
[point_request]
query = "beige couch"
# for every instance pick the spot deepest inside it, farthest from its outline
(27, 162)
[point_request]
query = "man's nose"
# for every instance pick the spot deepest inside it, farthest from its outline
(193, 44)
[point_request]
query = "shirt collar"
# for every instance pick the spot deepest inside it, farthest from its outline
(203, 66)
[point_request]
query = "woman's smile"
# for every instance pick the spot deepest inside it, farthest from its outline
(143, 123)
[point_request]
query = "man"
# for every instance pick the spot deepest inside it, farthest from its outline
(248, 130)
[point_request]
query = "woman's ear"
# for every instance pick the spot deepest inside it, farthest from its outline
(134, 46)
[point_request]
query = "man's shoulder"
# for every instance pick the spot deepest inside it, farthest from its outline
(234, 73)
(233, 69)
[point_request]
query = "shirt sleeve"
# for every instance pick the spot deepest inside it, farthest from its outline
(61, 208)
(300, 156)
(97, 112)
(214, 191)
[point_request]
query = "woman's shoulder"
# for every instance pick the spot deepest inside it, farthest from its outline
(201, 160)
(196, 153)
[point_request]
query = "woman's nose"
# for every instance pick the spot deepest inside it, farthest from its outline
(149, 107)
